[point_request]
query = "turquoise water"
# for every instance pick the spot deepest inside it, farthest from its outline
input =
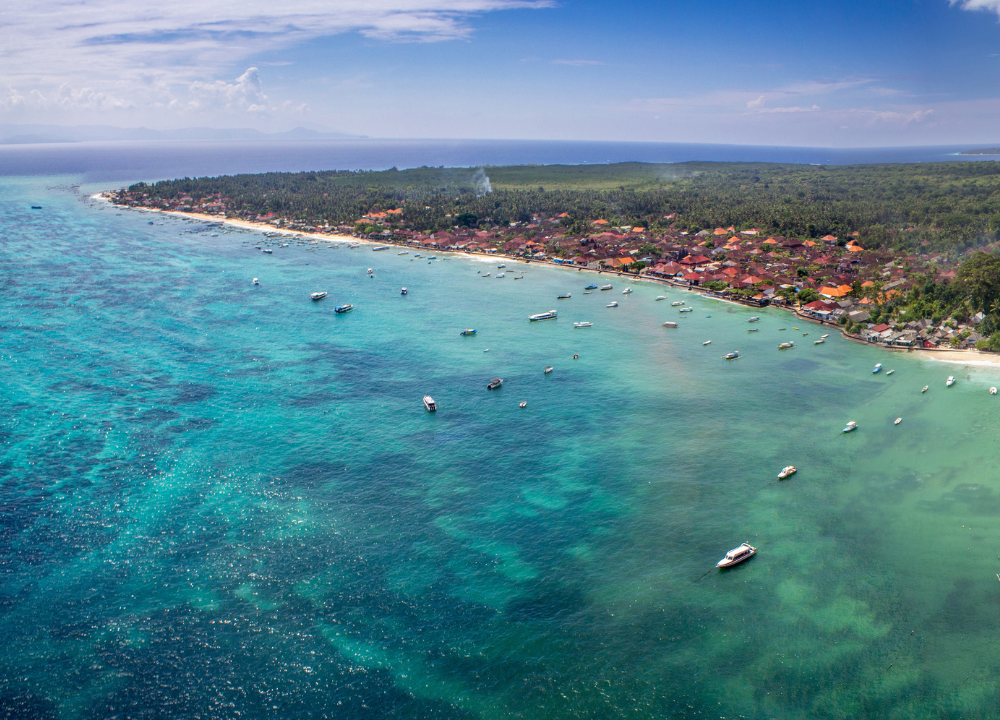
(222, 501)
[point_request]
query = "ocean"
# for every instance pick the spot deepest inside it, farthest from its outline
(222, 500)
(118, 161)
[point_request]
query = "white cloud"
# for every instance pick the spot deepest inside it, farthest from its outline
(246, 93)
(759, 102)
(133, 50)
(814, 108)
(989, 5)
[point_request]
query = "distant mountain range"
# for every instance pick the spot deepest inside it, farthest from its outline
(29, 134)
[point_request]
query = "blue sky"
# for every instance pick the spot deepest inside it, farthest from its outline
(898, 72)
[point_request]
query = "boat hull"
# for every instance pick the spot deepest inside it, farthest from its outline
(725, 563)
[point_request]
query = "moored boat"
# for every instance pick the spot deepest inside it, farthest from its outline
(486, 275)
(626, 291)
(661, 297)
(605, 287)
(548, 369)
(677, 303)
(993, 391)
(550, 315)
(737, 555)
(563, 296)
(850, 426)
(786, 345)
(877, 368)
(670, 324)
(402, 291)
(500, 275)
(754, 319)
(267, 250)
(925, 388)
(340, 309)
(317, 295)
(707, 342)
(591, 287)
(890, 372)
(686, 309)
(734, 355)
(429, 403)
(494, 383)
(522, 404)
(897, 421)
(469, 331)
(612, 304)
(753, 329)
(950, 381)
(825, 336)
(787, 471)
(403, 252)
(583, 324)
(256, 281)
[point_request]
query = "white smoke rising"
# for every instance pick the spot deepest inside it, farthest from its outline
(482, 183)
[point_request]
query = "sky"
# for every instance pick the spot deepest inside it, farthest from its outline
(840, 73)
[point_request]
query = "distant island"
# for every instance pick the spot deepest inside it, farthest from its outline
(902, 255)
(984, 151)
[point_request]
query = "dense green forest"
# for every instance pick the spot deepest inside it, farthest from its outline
(930, 206)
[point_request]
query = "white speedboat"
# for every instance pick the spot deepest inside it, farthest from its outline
(925, 388)
(890, 372)
(403, 252)
(661, 297)
(897, 421)
(256, 281)
(500, 275)
(548, 369)
(429, 403)
(550, 315)
(612, 304)
(950, 381)
(707, 342)
(626, 291)
(670, 324)
(734, 355)
(486, 275)
(583, 324)
(819, 342)
(787, 471)
(494, 383)
(754, 319)
(737, 555)
(605, 287)
(677, 303)
(318, 295)
(522, 404)
(850, 426)
(268, 250)
(993, 391)
(686, 310)
(877, 368)
(825, 336)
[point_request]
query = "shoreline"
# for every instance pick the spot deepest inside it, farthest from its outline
(971, 355)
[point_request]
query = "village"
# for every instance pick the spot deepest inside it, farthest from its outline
(826, 279)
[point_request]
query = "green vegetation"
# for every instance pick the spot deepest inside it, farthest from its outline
(940, 207)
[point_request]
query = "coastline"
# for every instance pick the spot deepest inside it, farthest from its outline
(948, 355)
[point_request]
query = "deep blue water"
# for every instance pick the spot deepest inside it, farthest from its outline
(98, 162)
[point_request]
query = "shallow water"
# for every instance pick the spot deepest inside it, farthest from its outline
(221, 500)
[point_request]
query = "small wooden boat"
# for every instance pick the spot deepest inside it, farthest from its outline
(737, 555)
(707, 342)
(787, 471)
(825, 336)
(890, 372)
(819, 342)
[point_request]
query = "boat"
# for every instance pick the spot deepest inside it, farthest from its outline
(39, 207)
(734, 355)
(850, 426)
(754, 319)
(519, 277)
(318, 295)
(670, 323)
(576, 357)
(548, 369)
(501, 267)
(786, 345)
(819, 342)
(890, 372)
(794, 328)
(878, 367)
(343, 308)
(469, 331)
(950, 381)
(550, 315)
(925, 388)
(486, 275)
(522, 404)
(564, 296)
(787, 471)
(661, 297)
(417, 255)
(380, 247)
(268, 250)
(591, 287)
(605, 287)
(429, 403)
(897, 421)
(256, 281)
(612, 304)
(402, 291)
(352, 246)
(677, 303)
(707, 342)
(737, 555)
(804, 334)
(993, 391)
(403, 252)
(432, 257)
(494, 383)
(583, 324)
(626, 291)
(588, 292)
(499, 275)
(825, 336)
(686, 310)
(370, 271)
(753, 329)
